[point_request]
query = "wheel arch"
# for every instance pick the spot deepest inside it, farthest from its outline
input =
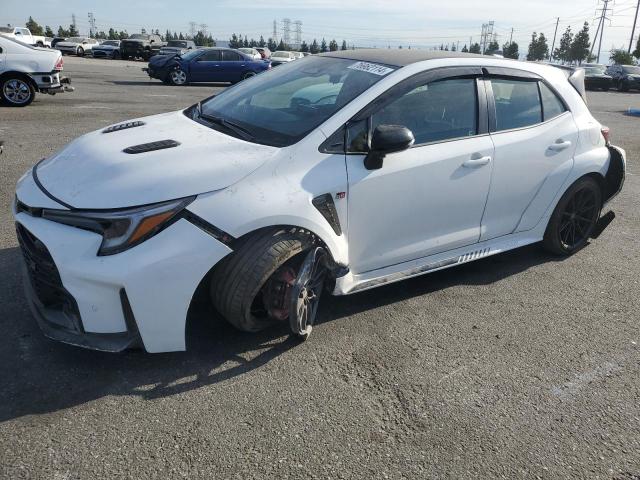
(24, 75)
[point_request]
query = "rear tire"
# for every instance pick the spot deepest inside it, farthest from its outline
(574, 218)
(16, 91)
(237, 283)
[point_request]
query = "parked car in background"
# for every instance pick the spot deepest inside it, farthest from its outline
(298, 54)
(25, 70)
(141, 45)
(205, 65)
(24, 35)
(265, 52)
(56, 40)
(252, 52)
(79, 46)
(177, 47)
(595, 77)
(625, 77)
(280, 57)
(107, 49)
(266, 203)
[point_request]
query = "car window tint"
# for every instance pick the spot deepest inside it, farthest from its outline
(210, 56)
(517, 103)
(434, 112)
(231, 57)
(551, 104)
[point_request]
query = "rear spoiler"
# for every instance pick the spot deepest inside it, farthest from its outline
(576, 79)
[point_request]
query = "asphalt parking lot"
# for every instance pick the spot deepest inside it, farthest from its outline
(517, 366)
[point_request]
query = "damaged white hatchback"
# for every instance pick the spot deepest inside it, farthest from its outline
(339, 173)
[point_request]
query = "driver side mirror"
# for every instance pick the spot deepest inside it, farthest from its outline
(387, 139)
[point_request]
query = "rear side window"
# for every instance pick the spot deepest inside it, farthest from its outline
(210, 56)
(517, 103)
(231, 56)
(436, 111)
(551, 104)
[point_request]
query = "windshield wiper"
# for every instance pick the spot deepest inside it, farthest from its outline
(234, 127)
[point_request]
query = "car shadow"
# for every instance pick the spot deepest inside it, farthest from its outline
(41, 376)
(159, 83)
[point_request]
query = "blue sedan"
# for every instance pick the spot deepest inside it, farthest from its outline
(205, 65)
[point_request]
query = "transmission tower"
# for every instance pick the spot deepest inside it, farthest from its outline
(602, 11)
(203, 28)
(92, 25)
(487, 36)
(286, 31)
(298, 31)
(274, 35)
(192, 28)
(73, 21)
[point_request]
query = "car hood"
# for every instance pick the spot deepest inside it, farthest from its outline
(94, 172)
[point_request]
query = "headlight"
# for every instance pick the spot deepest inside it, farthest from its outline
(122, 229)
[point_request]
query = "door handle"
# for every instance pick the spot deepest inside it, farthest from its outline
(559, 146)
(477, 162)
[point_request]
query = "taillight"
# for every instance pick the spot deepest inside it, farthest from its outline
(59, 64)
(606, 133)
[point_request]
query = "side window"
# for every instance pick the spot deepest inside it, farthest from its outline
(517, 103)
(210, 56)
(229, 56)
(551, 104)
(436, 111)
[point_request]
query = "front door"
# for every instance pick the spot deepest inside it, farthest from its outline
(431, 197)
(207, 67)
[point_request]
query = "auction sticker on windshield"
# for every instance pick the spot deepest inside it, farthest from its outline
(371, 68)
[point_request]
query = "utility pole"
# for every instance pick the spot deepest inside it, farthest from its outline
(275, 32)
(603, 16)
(511, 37)
(92, 25)
(73, 22)
(555, 34)
(633, 30)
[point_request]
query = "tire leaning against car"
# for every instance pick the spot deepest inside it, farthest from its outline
(16, 90)
(236, 283)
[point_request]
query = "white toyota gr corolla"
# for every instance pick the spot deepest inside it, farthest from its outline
(338, 172)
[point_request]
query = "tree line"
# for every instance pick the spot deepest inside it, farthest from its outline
(238, 41)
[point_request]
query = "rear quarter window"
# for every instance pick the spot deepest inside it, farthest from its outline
(552, 106)
(517, 103)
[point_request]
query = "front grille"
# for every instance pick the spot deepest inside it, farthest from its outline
(46, 282)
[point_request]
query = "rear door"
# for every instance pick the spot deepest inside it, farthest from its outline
(207, 67)
(233, 66)
(535, 138)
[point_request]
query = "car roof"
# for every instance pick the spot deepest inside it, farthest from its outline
(397, 57)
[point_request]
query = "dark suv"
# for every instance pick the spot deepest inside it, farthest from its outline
(140, 45)
(625, 77)
(177, 47)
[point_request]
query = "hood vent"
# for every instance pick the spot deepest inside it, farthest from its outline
(150, 147)
(122, 126)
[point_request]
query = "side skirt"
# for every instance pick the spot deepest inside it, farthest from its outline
(352, 283)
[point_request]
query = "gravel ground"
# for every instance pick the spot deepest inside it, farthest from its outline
(515, 366)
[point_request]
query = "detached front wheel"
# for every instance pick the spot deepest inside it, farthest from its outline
(274, 276)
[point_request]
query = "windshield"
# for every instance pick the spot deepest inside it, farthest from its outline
(281, 106)
(111, 42)
(177, 43)
(139, 36)
(594, 70)
(632, 70)
(75, 39)
(189, 55)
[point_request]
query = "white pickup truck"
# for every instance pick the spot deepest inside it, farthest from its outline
(24, 35)
(25, 70)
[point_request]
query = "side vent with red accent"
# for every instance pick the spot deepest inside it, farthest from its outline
(324, 204)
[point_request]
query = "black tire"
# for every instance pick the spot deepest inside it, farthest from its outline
(125, 57)
(16, 91)
(606, 89)
(239, 279)
(248, 75)
(116, 55)
(623, 87)
(574, 218)
(80, 52)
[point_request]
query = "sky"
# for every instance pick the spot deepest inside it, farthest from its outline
(363, 23)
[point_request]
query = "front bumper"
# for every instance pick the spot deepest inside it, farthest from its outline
(111, 302)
